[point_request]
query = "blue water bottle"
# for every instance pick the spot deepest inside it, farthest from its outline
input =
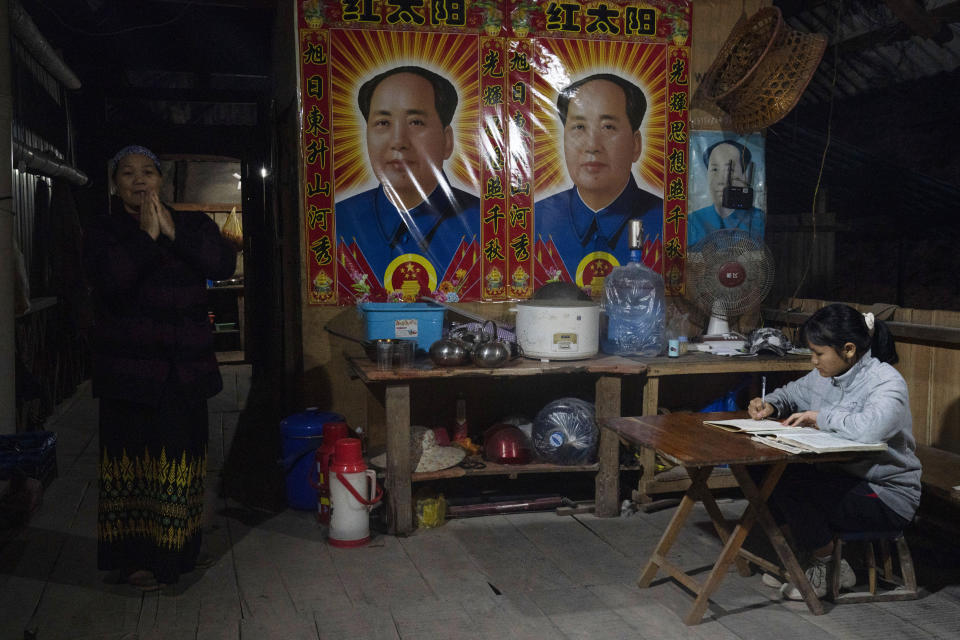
(634, 305)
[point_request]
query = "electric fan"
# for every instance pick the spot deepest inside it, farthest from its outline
(729, 273)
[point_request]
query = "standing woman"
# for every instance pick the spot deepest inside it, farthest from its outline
(154, 368)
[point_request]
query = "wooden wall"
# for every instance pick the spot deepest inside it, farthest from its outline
(803, 246)
(933, 375)
(932, 371)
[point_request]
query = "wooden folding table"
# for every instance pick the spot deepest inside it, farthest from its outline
(698, 364)
(683, 439)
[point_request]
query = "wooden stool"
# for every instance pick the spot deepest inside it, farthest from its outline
(905, 583)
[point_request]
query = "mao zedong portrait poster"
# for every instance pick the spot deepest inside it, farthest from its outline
(727, 185)
(407, 213)
(599, 164)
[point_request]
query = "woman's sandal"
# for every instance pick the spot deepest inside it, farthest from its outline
(144, 581)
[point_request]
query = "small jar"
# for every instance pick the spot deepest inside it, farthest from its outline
(673, 347)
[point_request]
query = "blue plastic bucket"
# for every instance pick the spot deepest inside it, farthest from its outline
(302, 434)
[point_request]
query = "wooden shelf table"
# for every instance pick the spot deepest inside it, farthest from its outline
(608, 371)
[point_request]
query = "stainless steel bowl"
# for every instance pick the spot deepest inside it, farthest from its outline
(491, 354)
(448, 353)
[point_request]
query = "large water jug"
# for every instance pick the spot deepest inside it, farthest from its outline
(633, 321)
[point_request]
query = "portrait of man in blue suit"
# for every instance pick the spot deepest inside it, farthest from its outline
(602, 116)
(408, 112)
(728, 164)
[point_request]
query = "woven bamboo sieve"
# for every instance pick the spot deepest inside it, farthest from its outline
(760, 72)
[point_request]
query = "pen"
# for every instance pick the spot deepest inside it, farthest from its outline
(763, 389)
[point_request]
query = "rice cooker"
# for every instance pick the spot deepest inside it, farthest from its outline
(558, 329)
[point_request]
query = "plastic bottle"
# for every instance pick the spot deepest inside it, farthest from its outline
(460, 427)
(634, 306)
(565, 432)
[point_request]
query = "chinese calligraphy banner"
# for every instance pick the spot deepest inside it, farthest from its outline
(475, 150)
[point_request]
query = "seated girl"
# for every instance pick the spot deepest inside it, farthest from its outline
(855, 393)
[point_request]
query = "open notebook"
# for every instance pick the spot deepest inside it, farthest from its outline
(794, 439)
(805, 440)
(749, 425)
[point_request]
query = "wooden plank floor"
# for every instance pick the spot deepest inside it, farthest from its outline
(525, 576)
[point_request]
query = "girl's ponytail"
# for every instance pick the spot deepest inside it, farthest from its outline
(882, 344)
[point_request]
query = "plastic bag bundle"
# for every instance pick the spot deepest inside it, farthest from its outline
(634, 312)
(565, 432)
(768, 339)
(233, 229)
(431, 508)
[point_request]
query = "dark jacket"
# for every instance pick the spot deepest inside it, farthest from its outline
(151, 305)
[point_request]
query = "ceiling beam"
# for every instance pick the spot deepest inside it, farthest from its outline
(792, 8)
(798, 13)
(919, 21)
(948, 12)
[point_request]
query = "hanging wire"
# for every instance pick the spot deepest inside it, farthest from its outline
(826, 148)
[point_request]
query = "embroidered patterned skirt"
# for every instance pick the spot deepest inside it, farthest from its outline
(152, 466)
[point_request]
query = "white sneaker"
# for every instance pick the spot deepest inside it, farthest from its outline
(771, 581)
(818, 575)
(848, 579)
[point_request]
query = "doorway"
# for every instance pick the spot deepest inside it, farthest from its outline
(213, 186)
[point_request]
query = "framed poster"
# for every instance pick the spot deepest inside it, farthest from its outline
(728, 186)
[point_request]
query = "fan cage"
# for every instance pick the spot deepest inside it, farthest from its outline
(705, 261)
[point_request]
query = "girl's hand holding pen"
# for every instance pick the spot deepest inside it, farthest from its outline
(758, 409)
